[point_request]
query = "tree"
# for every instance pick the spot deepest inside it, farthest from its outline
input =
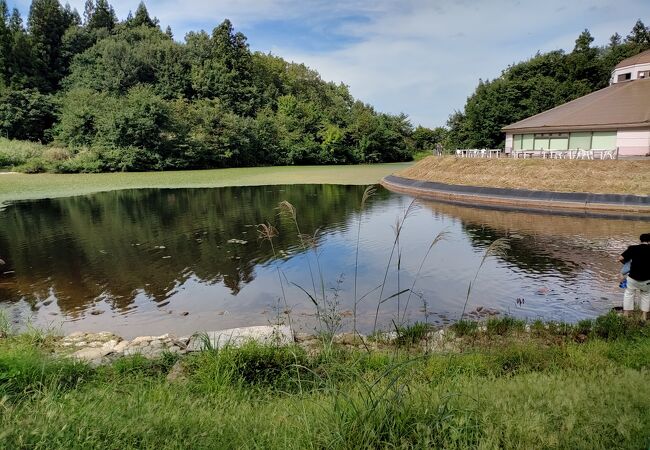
(20, 69)
(5, 42)
(71, 16)
(615, 40)
(223, 67)
(102, 16)
(15, 21)
(134, 56)
(583, 42)
(89, 11)
(639, 35)
(584, 64)
(142, 18)
(426, 139)
(47, 24)
(140, 120)
(26, 114)
(138, 100)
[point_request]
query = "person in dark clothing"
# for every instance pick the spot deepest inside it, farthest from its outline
(638, 280)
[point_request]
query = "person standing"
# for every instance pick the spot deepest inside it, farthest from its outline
(638, 280)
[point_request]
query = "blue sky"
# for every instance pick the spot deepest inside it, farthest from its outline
(420, 57)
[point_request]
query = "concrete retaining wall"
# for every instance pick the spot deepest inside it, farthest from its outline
(609, 205)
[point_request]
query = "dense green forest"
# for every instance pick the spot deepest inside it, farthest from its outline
(108, 95)
(543, 82)
(93, 93)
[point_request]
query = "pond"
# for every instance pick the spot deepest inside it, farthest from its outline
(152, 261)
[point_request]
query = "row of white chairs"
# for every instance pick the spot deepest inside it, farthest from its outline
(479, 153)
(568, 154)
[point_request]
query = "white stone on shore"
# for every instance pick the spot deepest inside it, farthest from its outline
(100, 348)
(91, 354)
(119, 348)
(110, 345)
(144, 339)
(236, 337)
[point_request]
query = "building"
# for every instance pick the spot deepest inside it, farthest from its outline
(616, 117)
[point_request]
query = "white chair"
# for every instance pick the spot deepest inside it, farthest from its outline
(585, 154)
(608, 154)
(459, 153)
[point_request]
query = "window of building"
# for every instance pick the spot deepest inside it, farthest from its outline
(644, 74)
(625, 76)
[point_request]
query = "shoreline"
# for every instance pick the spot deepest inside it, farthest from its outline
(21, 186)
(626, 206)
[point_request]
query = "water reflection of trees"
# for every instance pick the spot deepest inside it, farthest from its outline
(109, 245)
(526, 252)
(544, 243)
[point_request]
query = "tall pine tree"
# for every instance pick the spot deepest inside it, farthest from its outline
(142, 18)
(640, 34)
(5, 42)
(47, 24)
(101, 15)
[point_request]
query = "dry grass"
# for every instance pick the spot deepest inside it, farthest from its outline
(606, 177)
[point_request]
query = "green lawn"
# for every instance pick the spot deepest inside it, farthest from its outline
(23, 186)
(568, 387)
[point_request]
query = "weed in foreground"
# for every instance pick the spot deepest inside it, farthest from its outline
(498, 247)
(412, 334)
(464, 327)
(504, 325)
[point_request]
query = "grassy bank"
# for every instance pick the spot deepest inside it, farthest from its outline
(17, 186)
(557, 386)
(607, 177)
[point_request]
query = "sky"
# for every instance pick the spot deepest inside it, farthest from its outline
(418, 57)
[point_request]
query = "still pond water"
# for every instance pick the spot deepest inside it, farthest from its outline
(153, 261)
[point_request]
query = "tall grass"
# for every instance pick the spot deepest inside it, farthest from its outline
(514, 394)
(397, 229)
(267, 232)
(327, 306)
(15, 153)
(497, 248)
(368, 193)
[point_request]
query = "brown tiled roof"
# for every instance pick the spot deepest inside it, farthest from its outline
(641, 58)
(621, 105)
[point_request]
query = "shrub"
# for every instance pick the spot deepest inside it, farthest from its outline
(611, 326)
(465, 327)
(86, 161)
(36, 165)
(504, 325)
(584, 327)
(252, 364)
(412, 334)
(128, 159)
(528, 358)
(56, 154)
(139, 365)
(14, 153)
(28, 372)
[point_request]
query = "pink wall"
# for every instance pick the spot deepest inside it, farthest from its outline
(633, 142)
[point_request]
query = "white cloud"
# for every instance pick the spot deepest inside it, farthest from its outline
(425, 58)
(421, 57)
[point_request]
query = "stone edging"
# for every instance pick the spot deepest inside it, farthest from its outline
(103, 347)
(605, 205)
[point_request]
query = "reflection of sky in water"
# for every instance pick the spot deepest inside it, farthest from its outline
(564, 267)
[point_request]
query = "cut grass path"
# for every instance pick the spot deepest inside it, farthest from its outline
(15, 186)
